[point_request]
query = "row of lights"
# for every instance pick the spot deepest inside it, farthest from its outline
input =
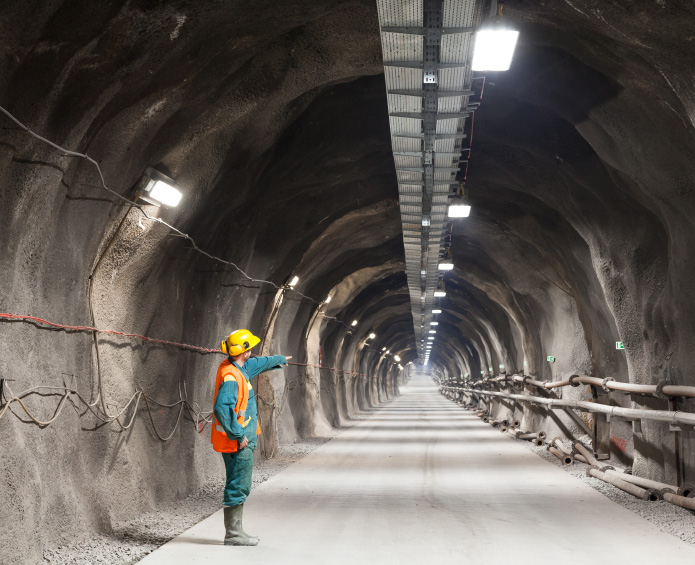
(493, 51)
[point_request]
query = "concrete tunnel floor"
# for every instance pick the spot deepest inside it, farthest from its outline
(424, 481)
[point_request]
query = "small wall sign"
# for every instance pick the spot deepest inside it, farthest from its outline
(619, 345)
(551, 359)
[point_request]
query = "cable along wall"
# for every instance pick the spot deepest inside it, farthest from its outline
(427, 48)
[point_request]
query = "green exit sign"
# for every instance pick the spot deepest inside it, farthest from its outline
(619, 345)
(551, 359)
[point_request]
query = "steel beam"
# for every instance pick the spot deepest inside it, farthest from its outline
(420, 115)
(439, 93)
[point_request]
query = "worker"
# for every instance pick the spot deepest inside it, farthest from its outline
(235, 425)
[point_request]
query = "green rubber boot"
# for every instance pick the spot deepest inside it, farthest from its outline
(241, 525)
(234, 533)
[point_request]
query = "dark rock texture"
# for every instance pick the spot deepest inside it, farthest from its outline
(273, 119)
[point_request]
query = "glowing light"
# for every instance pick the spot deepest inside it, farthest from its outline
(163, 193)
(372, 335)
(294, 281)
(397, 358)
(439, 294)
(328, 299)
(446, 266)
(459, 210)
(494, 49)
(433, 331)
(434, 323)
(436, 311)
(354, 323)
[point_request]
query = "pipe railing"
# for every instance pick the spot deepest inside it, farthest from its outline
(659, 390)
(672, 417)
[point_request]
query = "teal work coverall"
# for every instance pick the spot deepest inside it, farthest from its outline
(239, 465)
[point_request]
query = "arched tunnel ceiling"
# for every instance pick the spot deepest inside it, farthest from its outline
(279, 131)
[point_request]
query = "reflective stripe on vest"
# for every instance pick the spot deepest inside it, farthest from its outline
(219, 439)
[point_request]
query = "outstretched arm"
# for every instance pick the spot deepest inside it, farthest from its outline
(256, 365)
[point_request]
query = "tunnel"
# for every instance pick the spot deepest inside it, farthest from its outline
(476, 278)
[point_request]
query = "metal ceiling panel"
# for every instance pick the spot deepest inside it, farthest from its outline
(415, 76)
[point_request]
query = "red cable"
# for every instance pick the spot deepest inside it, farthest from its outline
(470, 147)
(142, 337)
(112, 332)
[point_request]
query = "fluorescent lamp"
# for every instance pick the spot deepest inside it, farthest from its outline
(328, 299)
(425, 221)
(439, 294)
(423, 272)
(383, 349)
(446, 266)
(459, 210)
(434, 323)
(436, 311)
(433, 331)
(354, 323)
(494, 49)
(294, 281)
(372, 336)
(397, 358)
(431, 337)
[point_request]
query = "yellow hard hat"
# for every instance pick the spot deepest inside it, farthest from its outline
(238, 342)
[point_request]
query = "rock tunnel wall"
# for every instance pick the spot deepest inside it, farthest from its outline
(274, 122)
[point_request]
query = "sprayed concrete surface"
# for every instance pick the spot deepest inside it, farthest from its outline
(423, 481)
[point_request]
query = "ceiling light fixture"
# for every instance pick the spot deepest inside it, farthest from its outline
(158, 189)
(354, 323)
(396, 357)
(439, 294)
(328, 299)
(446, 266)
(293, 282)
(458, 204)
(436, 311)
(494, 48)
(372, 335)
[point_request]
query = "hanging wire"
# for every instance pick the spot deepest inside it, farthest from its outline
(142, 210)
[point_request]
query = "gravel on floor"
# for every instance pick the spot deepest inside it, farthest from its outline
(671, 519)
(133, 540)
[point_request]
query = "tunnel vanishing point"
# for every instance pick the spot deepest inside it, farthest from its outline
(317, 147)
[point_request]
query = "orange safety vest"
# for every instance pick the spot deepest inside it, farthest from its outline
(219, 439)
